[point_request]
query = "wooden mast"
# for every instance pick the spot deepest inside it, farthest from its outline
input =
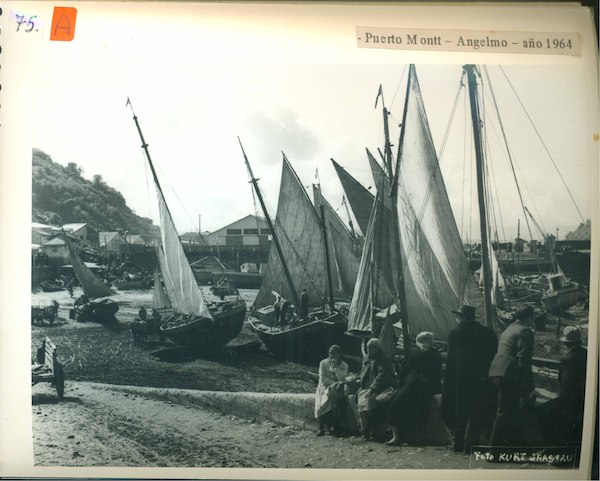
(472, 73)
(286, 270)
(327, 261)
(400, 292)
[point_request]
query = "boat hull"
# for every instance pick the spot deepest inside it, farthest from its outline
(558, 301)
(132, 285)
(203, 336)
(302, 342)
(49, 286)
(97, 310)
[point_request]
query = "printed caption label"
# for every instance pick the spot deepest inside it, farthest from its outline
(544, 43)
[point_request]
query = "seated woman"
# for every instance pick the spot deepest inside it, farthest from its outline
(420, 378)
(376, 376)
(330, 391)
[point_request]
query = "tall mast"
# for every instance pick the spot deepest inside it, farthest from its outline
(327, 261)
(471, 71)
(145, 147)
(286, 271)
(345, 204)
(400, 292)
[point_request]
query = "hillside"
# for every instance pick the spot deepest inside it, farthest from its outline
(583, 232)
(61, 195)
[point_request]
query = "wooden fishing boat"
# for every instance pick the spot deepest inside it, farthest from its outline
(95, 305)
(53, 286)
(201, 327)
(299, 257)
(559, 293)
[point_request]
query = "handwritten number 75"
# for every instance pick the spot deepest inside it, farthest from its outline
(21, 20)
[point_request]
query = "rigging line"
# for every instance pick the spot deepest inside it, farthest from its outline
(492, 180)
(398, 87)
(166, 180)
(512, 164)
(518, 169)
(446, 134)
(543, 143)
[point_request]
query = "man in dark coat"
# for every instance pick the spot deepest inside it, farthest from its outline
(303, 304)
(561, 419)
(419, 378)
(511, 371)
(468, 398)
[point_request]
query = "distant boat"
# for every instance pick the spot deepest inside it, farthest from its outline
(201, 327)
(95, 305)
(53, 286)
(209, 270)
(298, 259)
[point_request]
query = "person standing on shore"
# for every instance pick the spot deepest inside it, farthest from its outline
(561, 419)
(468, 398)
(330, 391)
(511, 372)
(303, 304)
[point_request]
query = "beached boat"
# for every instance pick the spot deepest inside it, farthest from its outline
(426, 249)
(201, 327)
(53, 286)
(298, 259)
(413, 265)
(95, 305)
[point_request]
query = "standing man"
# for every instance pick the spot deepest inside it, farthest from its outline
(303, 304)
(468, 398)
(561, 419)
(511, 367)
(512, 374)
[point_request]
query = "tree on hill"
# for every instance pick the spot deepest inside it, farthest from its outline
(61, 195)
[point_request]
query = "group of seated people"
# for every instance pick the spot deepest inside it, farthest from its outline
(486, 390)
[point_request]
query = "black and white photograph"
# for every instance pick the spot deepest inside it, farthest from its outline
(258, 245)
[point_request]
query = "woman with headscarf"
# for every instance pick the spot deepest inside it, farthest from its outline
(330, 391)
(376, 376)
(420, 378)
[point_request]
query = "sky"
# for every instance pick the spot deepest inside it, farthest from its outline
(197, 82)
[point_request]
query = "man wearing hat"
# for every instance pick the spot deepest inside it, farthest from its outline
(561, 419)
(467, 396)
(511, 371)
(511, 367)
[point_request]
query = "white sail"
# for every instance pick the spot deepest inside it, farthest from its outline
(160, 297)
(342, 247)
(298, 229)
(89, 282)
(437, 276)
(371, 289)
(186, 297)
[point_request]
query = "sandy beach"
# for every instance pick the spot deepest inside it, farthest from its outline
(98, 424)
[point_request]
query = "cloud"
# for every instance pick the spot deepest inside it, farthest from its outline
(283, 131)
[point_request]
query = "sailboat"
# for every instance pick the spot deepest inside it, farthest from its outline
(344, 247)
(412, 229)
(95, 305)
(433, 273)
(298, 259)
(201, 327)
